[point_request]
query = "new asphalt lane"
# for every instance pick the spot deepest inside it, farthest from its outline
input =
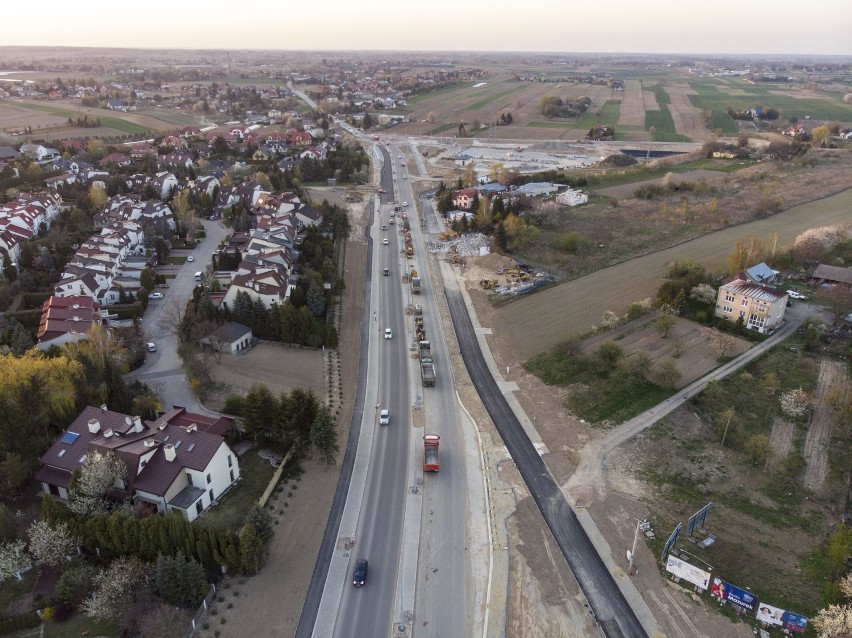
(609, 606)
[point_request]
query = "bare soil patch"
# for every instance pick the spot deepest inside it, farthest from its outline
(687, 345)
(780, 442)
(688, 119)
(650, 100)
(544, 598)
(832, 380)
(632, 112)
(280, 367)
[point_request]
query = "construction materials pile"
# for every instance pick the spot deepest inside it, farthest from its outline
(469, 245)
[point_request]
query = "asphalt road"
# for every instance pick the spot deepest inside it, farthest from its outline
(609, 605)
(163, 370)
(370, 610)
(443, 595)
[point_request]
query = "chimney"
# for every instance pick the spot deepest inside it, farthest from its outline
(104, 408)
(191, 428)
(108, 433)
(169, 451)
(94, 426)
(150, 443)
(137, 424)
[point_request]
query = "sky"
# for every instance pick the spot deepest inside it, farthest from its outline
(596, 26)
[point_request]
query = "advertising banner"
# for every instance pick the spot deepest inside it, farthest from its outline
(794, 622)
(688, 572)
(734, 595)
(770, 615)
(742, 599)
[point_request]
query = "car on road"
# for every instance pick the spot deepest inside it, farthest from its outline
(384, 417)
(391, 222)
(393, 213)
(190, 259)
(359, 574)
(155, 295)
(384, 227)
(386, 272)
(385, 241)
(794, 294)
(382, 191)
(388, 333)
(405, 204)
(152, 347)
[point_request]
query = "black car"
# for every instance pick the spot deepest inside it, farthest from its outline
(359, 576)
(386, 272)
(384, 227)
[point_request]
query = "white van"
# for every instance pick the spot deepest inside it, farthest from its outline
(384, 417)
(198, 276)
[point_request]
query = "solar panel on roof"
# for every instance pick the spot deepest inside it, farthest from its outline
(191, 447)
(69, 438)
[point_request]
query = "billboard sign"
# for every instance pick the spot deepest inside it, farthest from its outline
(671, 542)
(688, 572)
(781, 618)
(734, 595)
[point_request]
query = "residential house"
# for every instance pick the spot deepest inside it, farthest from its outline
(265, 285)
(537, 189)
(300, 138)
(760, 307)
(164, 183)
(66, 319)
(116, 105)
(232, 338)
(8, 155)
(179, 462)
(119, 159)
(41, 154)
(207, 184)
(463, 199)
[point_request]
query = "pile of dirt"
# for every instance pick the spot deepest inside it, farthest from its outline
(494, 262)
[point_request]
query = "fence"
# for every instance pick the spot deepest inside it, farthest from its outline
(275, 478)
(202, 611)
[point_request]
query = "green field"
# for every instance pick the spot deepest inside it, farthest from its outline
(489, 99)
(711, 98)
(564, 125)
(607, 115)
(662, 120)
(109, 122)
(444, 91)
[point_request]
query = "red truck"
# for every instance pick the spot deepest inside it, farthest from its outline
(430, 453)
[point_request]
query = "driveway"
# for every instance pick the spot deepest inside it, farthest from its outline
(163, 370)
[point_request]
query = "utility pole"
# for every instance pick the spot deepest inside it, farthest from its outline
(631, 554)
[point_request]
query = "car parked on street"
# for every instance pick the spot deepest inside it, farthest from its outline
(190, 259)
(388, 333)
(152, 347)
(155, 295)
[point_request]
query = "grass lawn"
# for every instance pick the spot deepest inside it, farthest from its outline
(442, 128)
(79, 626)
(255, 474)
(566, 125)
(176, 261)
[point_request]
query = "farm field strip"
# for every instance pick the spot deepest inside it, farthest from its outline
(547, 318)
(488, 100)
(124, 126)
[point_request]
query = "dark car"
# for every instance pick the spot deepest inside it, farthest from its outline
(386, 272)
(359, 576)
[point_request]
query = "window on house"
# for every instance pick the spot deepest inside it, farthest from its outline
(198, 507)
(231, 472)
(727, 310)
(211, 495)
(230, 461)
(189, 478)
(742, 313)
(209, 480)
(729, 296)
(745, 302)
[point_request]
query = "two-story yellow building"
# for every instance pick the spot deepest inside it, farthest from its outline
(761, 307)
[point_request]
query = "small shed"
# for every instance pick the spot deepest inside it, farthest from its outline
(232, 337)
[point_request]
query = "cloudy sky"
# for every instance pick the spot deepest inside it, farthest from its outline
(642, 26)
